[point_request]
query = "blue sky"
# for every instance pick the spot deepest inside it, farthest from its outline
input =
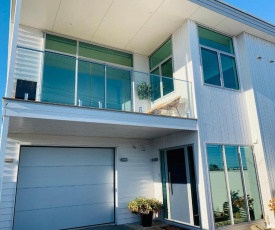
(4, 28)
(264, 9)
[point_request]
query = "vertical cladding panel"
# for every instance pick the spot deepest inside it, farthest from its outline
(140, 63)
(28, 63)
(262, 77)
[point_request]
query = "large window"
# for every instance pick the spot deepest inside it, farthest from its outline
(234, 187)
(218, 59)
(161, 69)
(69, 77)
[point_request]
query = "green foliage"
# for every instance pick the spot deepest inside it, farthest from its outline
(143, 91)
(145, 205)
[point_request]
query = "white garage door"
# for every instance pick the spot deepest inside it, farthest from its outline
(61, 188)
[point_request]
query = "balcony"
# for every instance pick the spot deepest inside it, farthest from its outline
(57, 78)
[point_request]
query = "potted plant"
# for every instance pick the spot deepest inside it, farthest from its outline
(145, 207)
(143, 91)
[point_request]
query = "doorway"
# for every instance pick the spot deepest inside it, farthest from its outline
(179, 185)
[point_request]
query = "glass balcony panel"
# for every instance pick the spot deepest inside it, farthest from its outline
(118, 89)
(101, 86)
(58, 79)
(155, 84)
(91, 84)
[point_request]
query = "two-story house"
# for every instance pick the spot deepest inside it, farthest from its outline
(109, 100)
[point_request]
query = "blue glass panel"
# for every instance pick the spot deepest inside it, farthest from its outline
(215, 40)
(252, 188)
(155, 84)
(58, 79)
(91, 84)
(210, 66)
(218, 186)
(167, 81)
(235, 184)
(119, 89)
(230, 78)
(161, 54)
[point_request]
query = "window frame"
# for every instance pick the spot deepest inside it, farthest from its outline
(219, 52)
(244, 186)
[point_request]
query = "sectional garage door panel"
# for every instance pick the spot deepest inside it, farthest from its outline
(48, 156)
(30, 177)
(64, 217)
(64, 188)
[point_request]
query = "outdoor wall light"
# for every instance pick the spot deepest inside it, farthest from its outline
(155, 159)
(123, 159)
(271, 61)
(8, 160)
(259, 57)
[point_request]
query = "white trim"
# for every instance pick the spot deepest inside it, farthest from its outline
(10, 72)
(3, 146)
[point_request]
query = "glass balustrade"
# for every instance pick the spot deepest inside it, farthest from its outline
(65, 79)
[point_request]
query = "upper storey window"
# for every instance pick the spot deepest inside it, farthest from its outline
(218, 59)
(161, 69)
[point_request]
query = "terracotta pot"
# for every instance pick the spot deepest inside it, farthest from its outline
(146, 219)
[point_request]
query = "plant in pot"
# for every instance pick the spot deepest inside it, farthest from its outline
(145, 207)
(143, 91)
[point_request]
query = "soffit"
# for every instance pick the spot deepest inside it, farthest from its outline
(20, 125)
(138, 26)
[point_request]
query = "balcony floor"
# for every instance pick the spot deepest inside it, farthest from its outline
(28, 117)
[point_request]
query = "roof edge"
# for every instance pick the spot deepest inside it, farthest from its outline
(238, 15)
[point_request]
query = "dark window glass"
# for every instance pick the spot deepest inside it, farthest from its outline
(161, 54)
(105, 54)
(91, 84)
(155, 84)
(215, 40)
(58, 79)
(167, 80)
(60, 44)
(229, 72)
(210, 65)
(25, 90)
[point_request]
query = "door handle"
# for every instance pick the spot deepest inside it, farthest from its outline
(170, 183)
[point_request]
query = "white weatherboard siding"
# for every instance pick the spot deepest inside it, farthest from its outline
(56, 184)
(28, 63)
(223, 117)
(133, 178)
(260, 95)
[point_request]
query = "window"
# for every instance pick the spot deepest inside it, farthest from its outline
(161, 69)
(218, 59)
(234, 187)
(70, 78)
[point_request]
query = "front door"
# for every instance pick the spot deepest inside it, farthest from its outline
(179, 185)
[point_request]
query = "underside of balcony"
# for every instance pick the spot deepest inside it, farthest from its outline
(49, 119)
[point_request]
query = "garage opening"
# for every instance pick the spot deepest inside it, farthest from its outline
(61, 188)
